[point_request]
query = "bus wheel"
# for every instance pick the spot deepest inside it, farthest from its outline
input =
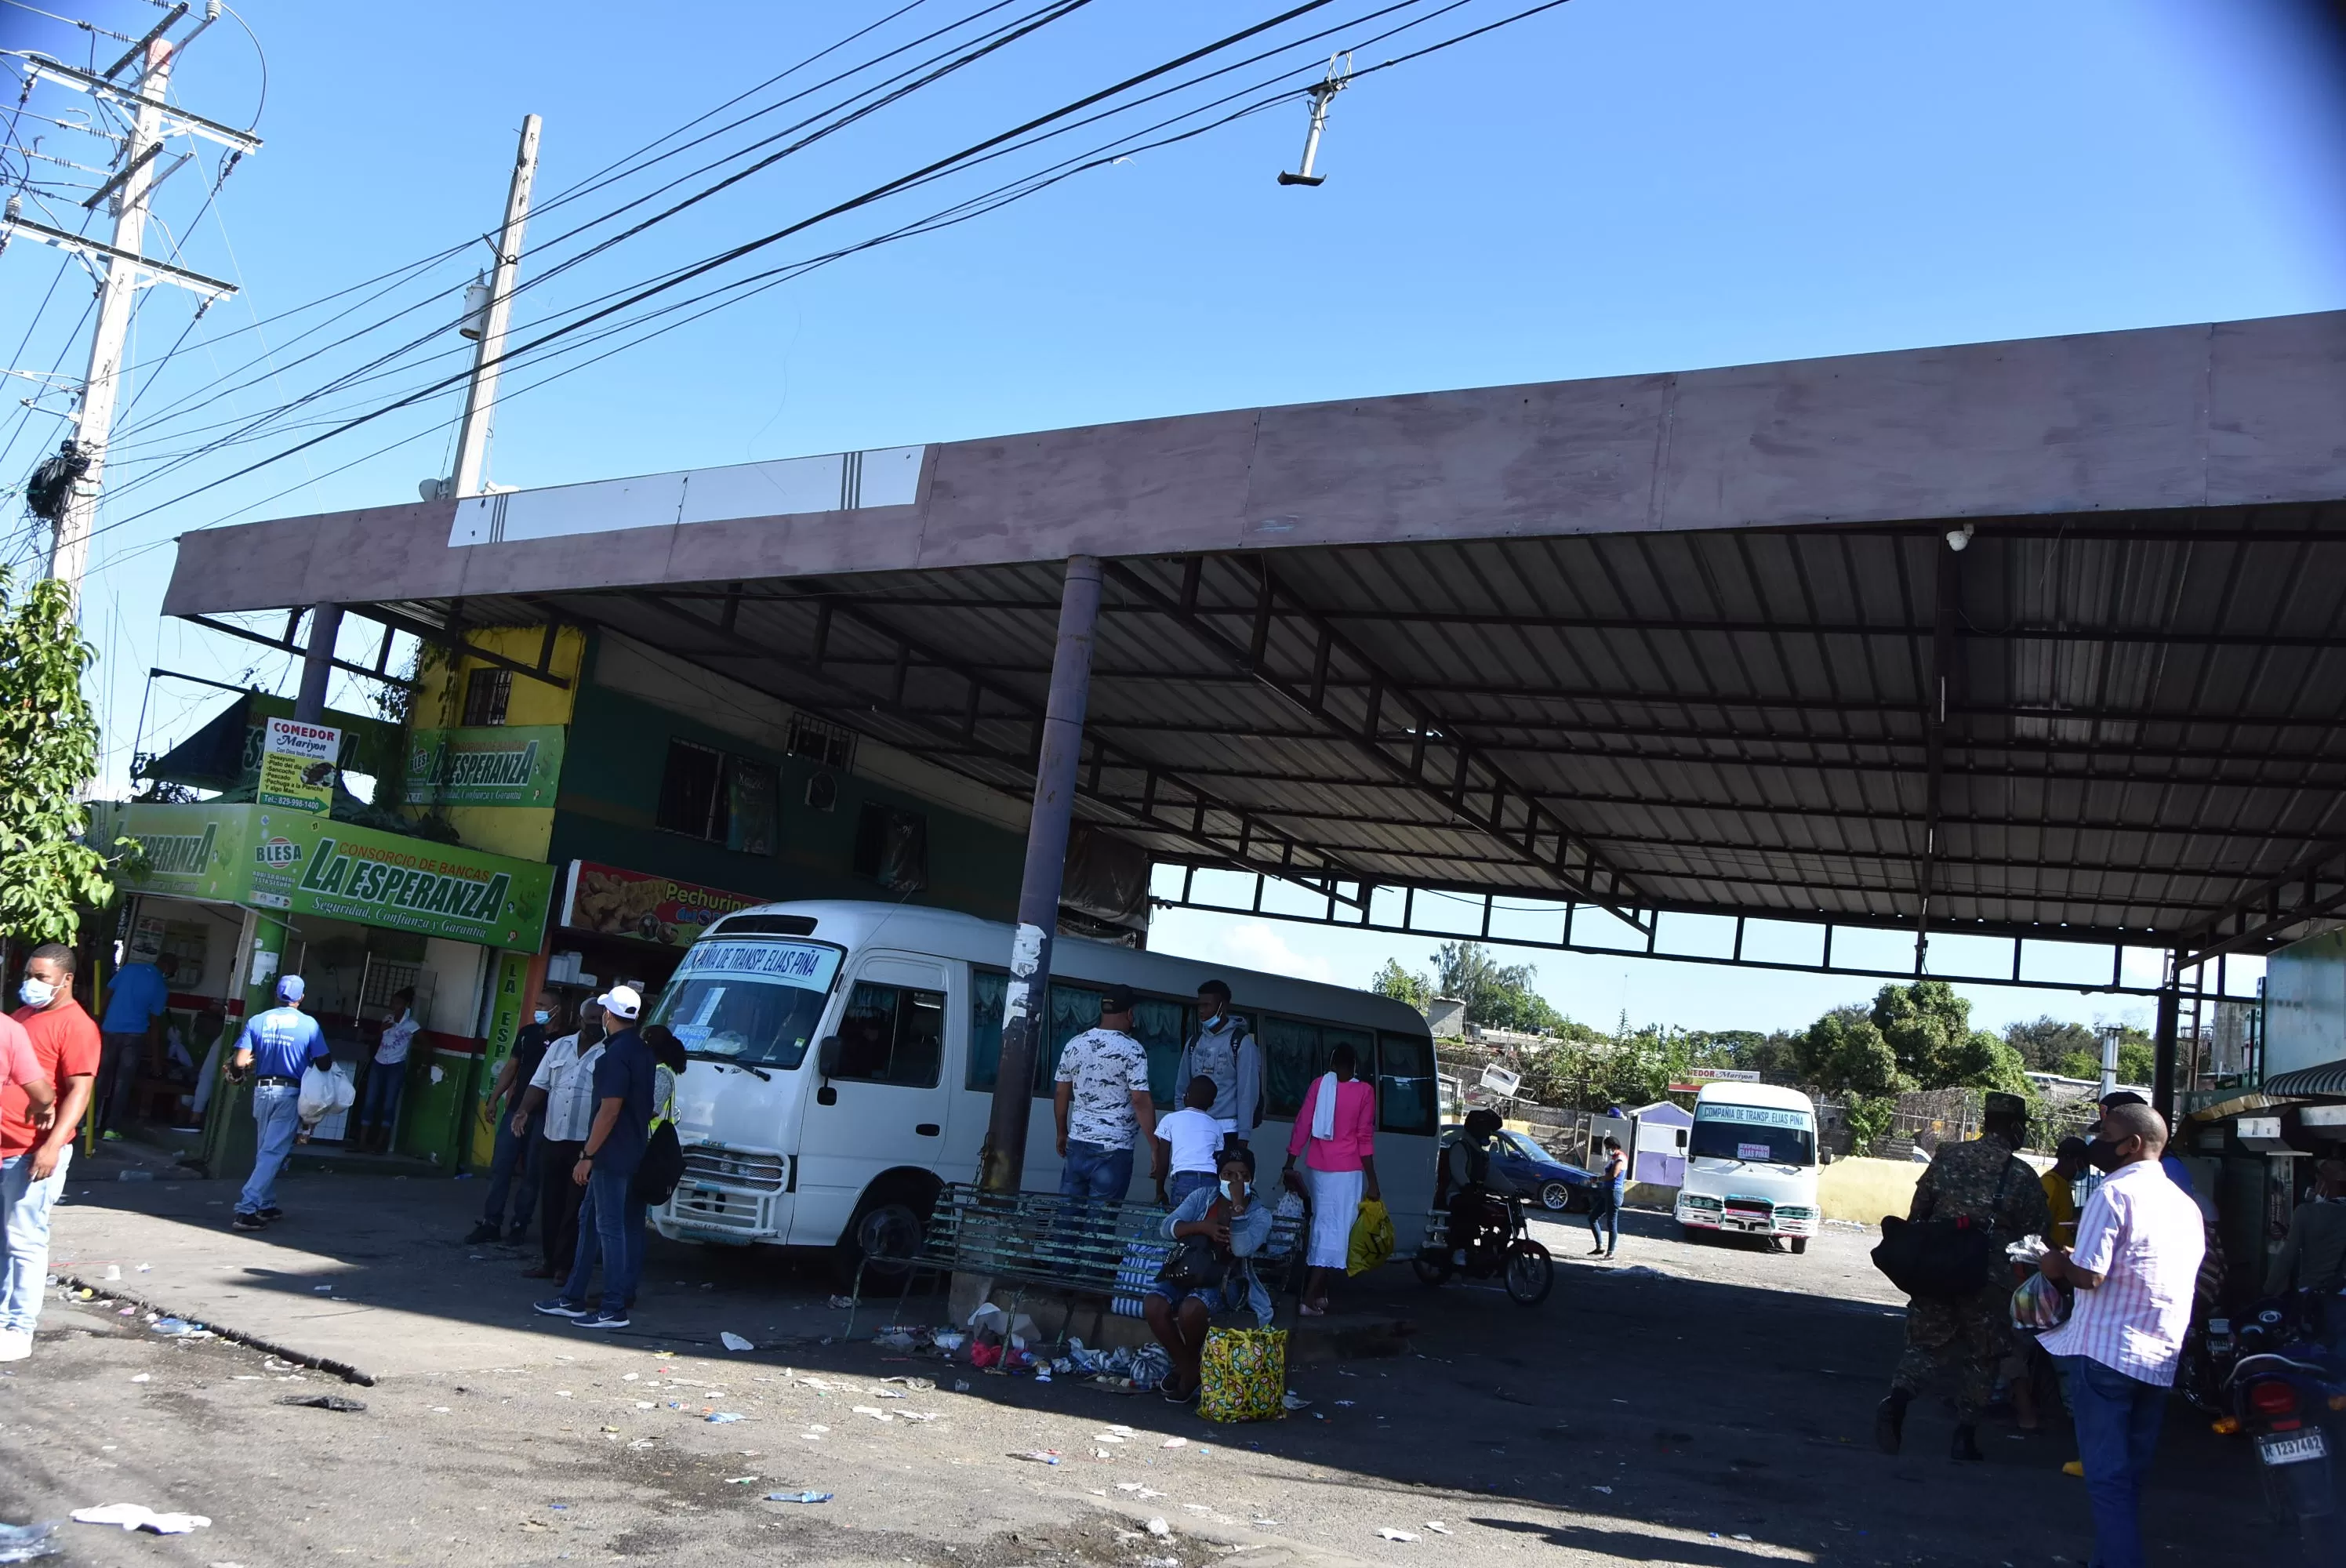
(889, 1224)
(1800, 1245)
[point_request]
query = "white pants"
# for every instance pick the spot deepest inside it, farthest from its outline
(1335, 1205)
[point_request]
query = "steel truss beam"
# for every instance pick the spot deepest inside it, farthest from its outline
(1589, 875)
(1653, 948)
(2314, 888)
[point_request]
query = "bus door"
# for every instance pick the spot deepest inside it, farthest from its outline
(884, 1102)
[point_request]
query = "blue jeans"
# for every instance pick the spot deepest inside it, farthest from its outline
(1095, 1170)
(24, 1207)
(1182, 1183)
(610, 1232)
(276, 1112)
(511, 1160)
(1604, 1216)
(2117, 1417)
(378, 1106)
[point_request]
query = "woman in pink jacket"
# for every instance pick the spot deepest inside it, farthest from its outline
(1336, 1133)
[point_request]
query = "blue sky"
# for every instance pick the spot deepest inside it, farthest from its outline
(1617, 185)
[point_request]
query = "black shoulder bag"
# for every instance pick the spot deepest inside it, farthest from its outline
(1940, 1259)
(1197, 1264)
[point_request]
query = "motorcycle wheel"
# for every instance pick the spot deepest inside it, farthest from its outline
(1430, 1270)
(1531, 1273)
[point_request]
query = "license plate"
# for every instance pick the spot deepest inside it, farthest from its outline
(2291, 1450)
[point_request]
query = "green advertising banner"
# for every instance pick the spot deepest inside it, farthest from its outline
(504, 1030)
(515, 765)
(307, 864)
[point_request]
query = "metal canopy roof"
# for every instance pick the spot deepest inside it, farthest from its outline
(2141, 724)
(1434, 642)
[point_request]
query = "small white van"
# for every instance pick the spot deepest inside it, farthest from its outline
(1751, 1163)
(779, 1152)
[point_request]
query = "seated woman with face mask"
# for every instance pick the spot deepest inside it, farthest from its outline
(1216, 1232)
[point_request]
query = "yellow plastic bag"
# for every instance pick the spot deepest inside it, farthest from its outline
(1372, 1238)
(1242, 1375)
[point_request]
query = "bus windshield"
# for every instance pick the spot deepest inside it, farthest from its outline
(1760, 1133)
(754, 1002)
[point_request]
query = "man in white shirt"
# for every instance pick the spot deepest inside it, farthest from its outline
(379, 1098)
(1187, 1145)
(1102, 1102)
(2140, 1243)
(564, 1087)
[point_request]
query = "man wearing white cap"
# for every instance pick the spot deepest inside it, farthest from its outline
(610, 1221)
(277, 1046)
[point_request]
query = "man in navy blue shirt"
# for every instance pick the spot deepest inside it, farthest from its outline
(276, 1047)
(610, 1221)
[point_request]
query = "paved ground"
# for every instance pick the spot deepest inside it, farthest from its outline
(1713, 1414)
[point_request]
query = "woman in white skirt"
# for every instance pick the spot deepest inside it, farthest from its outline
(1336, 1135)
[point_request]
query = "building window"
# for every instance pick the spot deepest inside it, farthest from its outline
(892, 848)
(486, 692)
(828, 744)
(752, 796)
(691, 800)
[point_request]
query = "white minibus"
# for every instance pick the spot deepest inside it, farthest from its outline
(1751, 1163)
(779, 1152)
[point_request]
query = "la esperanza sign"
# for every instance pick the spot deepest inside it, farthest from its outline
(516, 765)
(306, 864)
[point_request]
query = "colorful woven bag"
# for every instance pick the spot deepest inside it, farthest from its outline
(1243, 1375)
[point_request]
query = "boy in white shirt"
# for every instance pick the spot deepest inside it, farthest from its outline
(1186, 1143)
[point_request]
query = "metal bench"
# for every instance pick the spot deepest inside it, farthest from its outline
(1045, 1241)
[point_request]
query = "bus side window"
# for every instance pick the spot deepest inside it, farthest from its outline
(891, 1034)
(1406, 1098)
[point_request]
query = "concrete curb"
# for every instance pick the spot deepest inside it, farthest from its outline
(342, 1370)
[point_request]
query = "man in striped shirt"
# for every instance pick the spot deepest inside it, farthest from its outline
(2139, 1242)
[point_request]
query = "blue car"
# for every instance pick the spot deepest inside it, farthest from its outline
(1559, 1187)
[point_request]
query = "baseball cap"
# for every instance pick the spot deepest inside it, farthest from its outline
(621, 1002)
(1117, 999)
(289, 987)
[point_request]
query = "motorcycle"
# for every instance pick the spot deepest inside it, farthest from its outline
(1502, 1249)
(2281, 1386)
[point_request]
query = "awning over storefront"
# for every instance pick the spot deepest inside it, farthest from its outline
(2326, 1078)
(305, 864)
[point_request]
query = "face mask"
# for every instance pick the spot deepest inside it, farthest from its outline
(36, 993)
(2103, 1156)
(541, 1015)
(1233, 1197)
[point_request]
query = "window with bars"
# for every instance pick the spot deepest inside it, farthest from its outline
(692, 799)
(487, 693)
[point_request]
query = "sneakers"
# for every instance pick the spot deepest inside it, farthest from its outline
(272, 1214)
(244, 1221)
(2076, 1467)
(479, 1233)
(15, 1344)
(602, 1319)
(109, 1136)
(557, 1308)
(517, 1236)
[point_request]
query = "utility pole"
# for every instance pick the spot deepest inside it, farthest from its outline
(481, 397)
(121, 263)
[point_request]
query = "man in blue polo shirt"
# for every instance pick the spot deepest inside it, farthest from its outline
(276, 1047)
(610, 1221)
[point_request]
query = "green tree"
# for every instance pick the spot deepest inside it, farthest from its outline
(2046, 1045)
(1929, 1028)
(1497, 996)
(1846, 1054)
(1402, 984)
(48, 751)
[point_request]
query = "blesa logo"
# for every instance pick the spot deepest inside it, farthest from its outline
(278, 852)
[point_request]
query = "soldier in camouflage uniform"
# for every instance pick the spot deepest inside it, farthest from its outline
(1986, 1182)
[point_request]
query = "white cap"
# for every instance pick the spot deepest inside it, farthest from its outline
(621, 1002)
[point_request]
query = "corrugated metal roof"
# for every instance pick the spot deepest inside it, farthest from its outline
(2142, 713)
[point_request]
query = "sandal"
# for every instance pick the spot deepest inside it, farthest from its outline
(1309, 1310)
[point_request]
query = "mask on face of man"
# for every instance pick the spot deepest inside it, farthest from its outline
(2104, 1155)
(36, 993)
(541, 1015)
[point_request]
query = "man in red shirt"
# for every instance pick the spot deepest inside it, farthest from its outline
(36, 1141)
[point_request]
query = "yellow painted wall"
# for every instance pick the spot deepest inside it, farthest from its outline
(522, 831)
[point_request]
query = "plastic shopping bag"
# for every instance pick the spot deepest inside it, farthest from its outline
(323, 1094)
(1242, 1375)
(1372, 1238)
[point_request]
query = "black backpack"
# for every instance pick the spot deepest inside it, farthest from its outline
(1940, 1259)
(663, 1167)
